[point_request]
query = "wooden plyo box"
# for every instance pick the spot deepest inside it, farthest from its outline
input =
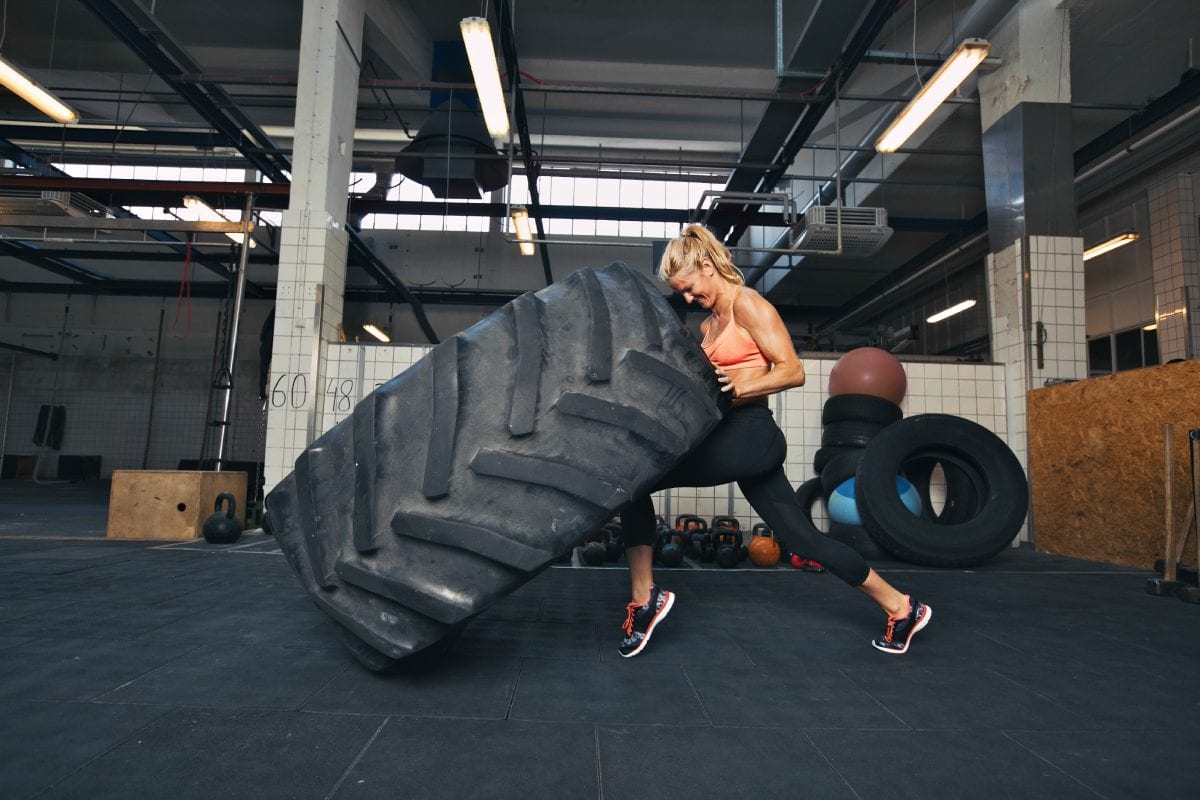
(169, 504)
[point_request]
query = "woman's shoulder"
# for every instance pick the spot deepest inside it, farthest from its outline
(750, 303)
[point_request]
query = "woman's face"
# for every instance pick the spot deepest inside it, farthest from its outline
(698, 286)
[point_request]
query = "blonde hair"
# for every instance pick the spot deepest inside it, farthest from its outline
(685, 252)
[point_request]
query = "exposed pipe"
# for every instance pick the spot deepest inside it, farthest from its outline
(980, 18)
(234, 323)
(1142, 141)
(162, 313)
(969, 244)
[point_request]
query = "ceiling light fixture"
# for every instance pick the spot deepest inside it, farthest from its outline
(477, 37)
(1120, 240)
(948, 77)
(22, 86)
(209, 214)
(957, 308)
(520, 221)
(378, 334)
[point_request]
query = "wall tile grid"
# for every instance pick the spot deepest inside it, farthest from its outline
(309, 313)
(1176, 265)
(973, 391)
(1057, 295)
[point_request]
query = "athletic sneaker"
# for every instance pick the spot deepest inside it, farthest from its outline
(900, 631)
(640, 620)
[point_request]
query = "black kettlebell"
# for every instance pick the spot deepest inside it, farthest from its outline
(671, 554)
(594, 554)
(223, 527)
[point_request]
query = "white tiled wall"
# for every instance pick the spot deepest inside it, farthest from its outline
(1176, 266)
(973, 391)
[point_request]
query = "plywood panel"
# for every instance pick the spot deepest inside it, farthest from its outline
(168, 505)
(1096, 462)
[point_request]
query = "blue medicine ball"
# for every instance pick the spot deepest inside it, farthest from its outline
(844, 509)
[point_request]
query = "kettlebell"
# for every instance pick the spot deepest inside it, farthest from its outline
(223, 528)
(764, 550)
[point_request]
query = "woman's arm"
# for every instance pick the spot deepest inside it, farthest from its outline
(762, 321)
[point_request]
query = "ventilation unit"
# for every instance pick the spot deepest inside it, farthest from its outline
(864, 230)
(49, 204)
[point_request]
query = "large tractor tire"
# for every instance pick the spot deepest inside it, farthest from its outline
(463, 477)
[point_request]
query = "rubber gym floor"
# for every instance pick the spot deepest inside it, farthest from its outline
(141, 670)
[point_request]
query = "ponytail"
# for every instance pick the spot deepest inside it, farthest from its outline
(685, 252)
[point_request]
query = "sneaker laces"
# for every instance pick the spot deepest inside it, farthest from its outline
(893, 621)
(630, 610)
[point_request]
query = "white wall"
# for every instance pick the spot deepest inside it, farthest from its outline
(105, 378)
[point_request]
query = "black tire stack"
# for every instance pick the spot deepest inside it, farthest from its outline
(986, 494)
(848, 424)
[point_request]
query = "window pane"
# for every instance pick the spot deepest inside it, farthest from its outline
(1100, 356)
(1150, 345)
(1129, 349)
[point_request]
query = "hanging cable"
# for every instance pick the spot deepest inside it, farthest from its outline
(185, 286)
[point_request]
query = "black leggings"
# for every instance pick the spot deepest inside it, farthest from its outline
(748, 447)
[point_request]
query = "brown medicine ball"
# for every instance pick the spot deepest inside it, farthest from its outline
(869, 370)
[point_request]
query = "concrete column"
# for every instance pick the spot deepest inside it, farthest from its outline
(1176, 261)
(312, 259)
(1035, 270)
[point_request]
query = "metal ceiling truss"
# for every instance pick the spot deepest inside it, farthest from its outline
(144, 36)
(784, 127)
(44, 172)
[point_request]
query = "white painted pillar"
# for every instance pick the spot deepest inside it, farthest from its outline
(312, 259)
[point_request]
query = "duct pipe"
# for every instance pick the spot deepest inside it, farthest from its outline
(981, 18)
(969, 244)
(1129, 149)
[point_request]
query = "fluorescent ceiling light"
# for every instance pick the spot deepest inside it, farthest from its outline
(378, 334)
(948, 77)
(477, 36)
(951, 311)
(1153, 326)
(209, 214)
(520, 221)
(1120, 240)
(20, 84)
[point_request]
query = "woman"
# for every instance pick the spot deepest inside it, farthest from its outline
(748, 344)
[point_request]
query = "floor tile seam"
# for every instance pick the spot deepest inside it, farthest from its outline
(335, 674)
(829, 763)
(512, 694)
(696, 693)
(878, 701)
(358, 757)
(1005, 732)
(118, 743)
(1036, 692)
(151, 671)
(599, 762)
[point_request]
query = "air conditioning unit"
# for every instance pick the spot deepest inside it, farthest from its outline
(864, 230)
(49, 204)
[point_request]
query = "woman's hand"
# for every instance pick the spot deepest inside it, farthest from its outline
(726, 381)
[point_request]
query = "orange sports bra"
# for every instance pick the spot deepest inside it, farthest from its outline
(733, 348)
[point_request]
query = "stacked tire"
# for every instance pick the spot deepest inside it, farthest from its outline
(849, 422)
(887, 466)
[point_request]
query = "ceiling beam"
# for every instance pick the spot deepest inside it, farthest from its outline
(784, 128)
(508, 43)
(141, 32)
